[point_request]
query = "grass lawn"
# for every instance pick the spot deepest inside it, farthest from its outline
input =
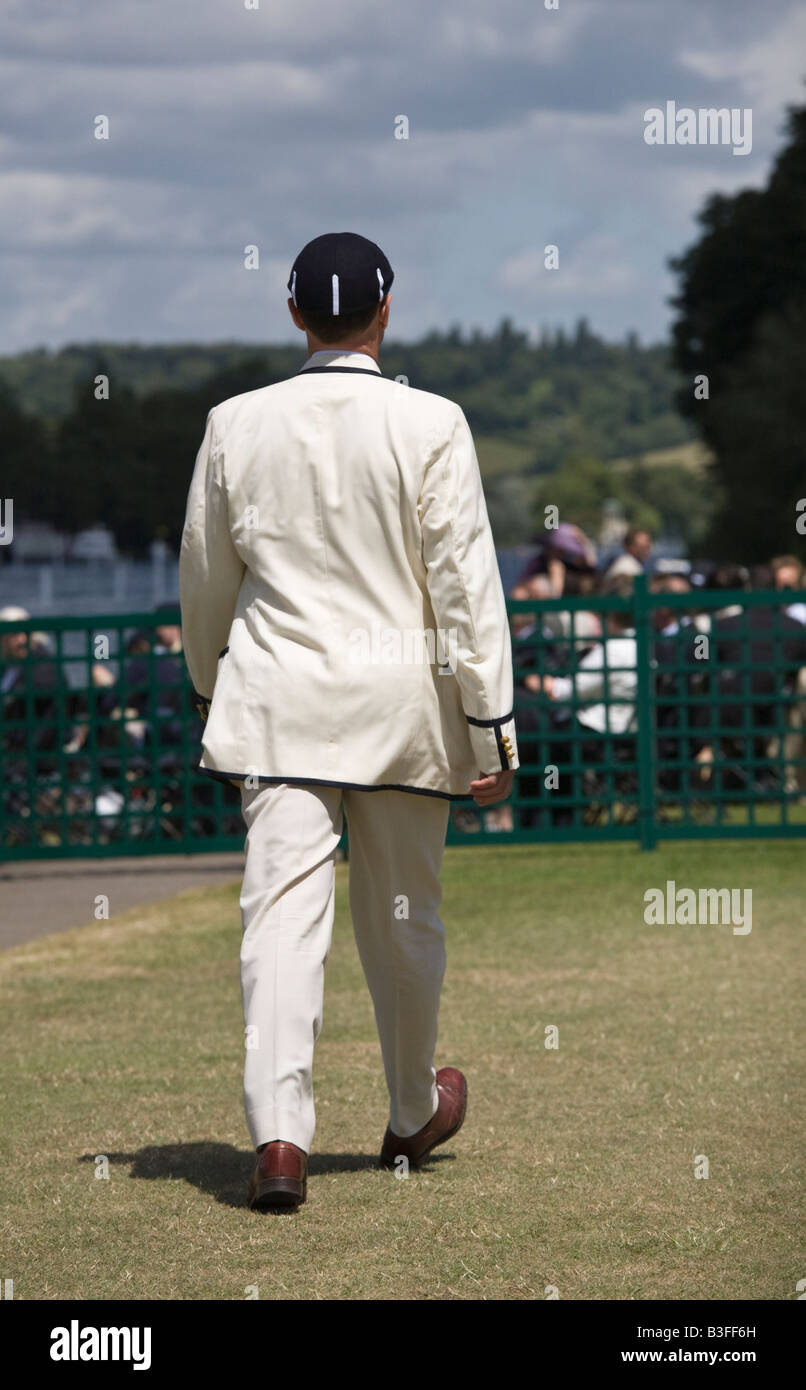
(575, 1168)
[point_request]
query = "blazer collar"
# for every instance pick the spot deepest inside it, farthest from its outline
(342, 358)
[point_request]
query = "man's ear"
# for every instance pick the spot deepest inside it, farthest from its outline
(295, 314)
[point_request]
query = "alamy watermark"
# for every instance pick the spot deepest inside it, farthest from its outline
(703, 907)
(408, 646)
(707, 125)
(77, 1343)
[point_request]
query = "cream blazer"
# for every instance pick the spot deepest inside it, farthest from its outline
(342, 610)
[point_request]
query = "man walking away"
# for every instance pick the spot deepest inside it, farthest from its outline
(345, 625)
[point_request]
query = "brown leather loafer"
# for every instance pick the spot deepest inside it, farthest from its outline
(449, 1118)
(280, 1178)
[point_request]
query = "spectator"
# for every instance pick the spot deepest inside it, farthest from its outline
(604, 683)
(724, 577)
(157, 707)
(169, 639)
(585, 625)
(29, 686)
(523, 624)
(634, 558)
(678, 676)
(787, 573)
(761, 577)
(533, 734)
(97, 705)
(605, 679)
(761, 654)
(139, 643)
(669, 621)
(563, 549)
(535, 645)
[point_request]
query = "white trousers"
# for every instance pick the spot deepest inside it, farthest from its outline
(396, 841)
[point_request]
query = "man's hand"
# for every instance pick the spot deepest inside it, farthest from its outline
(537, 683)
(491, 787)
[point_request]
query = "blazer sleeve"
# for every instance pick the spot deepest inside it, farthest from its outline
(464, 586)
(210, 568)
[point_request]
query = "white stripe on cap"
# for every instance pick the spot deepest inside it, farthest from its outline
(294, 286)
(380, 281)
(335, 294)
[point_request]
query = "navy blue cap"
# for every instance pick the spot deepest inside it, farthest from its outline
(339, 273)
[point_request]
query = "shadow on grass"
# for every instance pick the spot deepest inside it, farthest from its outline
(221, 1170)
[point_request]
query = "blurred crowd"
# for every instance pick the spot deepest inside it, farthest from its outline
(109, 753)
(728, 680)
(97, 749)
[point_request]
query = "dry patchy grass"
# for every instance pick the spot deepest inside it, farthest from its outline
(575, 1167)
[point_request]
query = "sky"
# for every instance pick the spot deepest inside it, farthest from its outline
(266, 126)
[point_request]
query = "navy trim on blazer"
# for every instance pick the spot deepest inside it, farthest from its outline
(496, 725)
(321, 782)
(366, 371)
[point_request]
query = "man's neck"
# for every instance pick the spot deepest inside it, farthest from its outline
(368, 349)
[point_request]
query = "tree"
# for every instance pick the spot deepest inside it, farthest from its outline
(760, 421)
(684, 501)
(103, 475)
(579, 487)
(26, 462)
(742, 296)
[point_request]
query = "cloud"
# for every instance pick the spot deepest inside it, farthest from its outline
(770, 68)
(231, 126)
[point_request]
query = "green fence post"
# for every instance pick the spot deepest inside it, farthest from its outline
(646, 741)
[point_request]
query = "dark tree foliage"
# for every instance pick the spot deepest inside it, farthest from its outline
(127, 461)
(760, 421)
(26, 460)
(741, 308)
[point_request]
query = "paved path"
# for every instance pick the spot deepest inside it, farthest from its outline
(42, 896)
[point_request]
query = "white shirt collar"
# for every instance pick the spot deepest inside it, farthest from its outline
(341, 357)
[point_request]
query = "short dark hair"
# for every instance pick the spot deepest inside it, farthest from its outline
(761, 577)
(616, 586)
(634, 531)
(729, 576)
(621, 618)
(329, 328)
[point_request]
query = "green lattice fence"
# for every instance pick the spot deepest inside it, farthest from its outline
(692, 725)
